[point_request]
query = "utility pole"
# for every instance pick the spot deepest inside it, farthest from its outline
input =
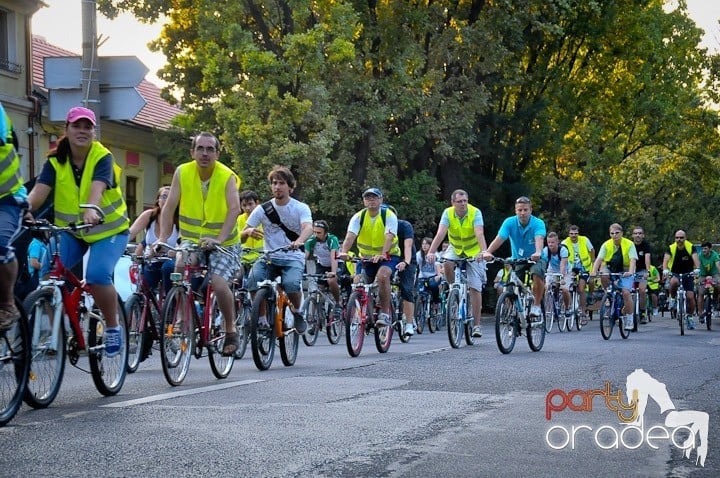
(90, 65)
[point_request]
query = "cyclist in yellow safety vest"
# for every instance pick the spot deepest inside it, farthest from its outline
(581, 256)
(653, 287)
(252, 244)
(377, 242)
(681, 258)
(618, 255)
(207, 193)
(13, 198)
(80, 170)
(465, 229)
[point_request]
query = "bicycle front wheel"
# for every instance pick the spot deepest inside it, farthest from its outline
(420, 314)
(505, 325)
(681, 316)
(335, 327)
(262, 336)
(177, 336)
(136, 338)
(220, 364)
(355, 324)
(289, 343)
(452, 314)
(47, 364)
(383, 335)
(108, 373)
(607, 322)
(242, 324)
(549, 311)
(14, 366)
(312, 315)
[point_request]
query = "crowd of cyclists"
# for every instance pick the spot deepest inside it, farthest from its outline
(207, 205)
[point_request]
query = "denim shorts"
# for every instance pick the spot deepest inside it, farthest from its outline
(290, 270)
(10, 222)
(104, 255)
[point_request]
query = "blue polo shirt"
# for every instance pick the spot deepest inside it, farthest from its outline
(522, 239)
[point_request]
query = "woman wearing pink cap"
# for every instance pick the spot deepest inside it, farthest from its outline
(80, 170)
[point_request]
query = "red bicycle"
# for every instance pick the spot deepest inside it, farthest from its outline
(65, 322)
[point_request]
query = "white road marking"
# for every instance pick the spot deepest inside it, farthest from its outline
(179, 393)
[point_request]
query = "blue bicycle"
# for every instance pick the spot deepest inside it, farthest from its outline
(458, 310)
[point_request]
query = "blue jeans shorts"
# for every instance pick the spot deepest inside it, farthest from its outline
(10, 222)
(104, 255)
(291, 272)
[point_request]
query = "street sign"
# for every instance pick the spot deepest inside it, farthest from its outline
(63, 72)
(116, 103)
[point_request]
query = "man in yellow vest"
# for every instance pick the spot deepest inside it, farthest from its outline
(581, 257)
(377, 241)
(207, 193)
(463, 224)
(13, 197)
(618, 255)
(681, 258)
(80, 170)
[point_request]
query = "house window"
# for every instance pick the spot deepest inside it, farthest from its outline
(8, 51)
(131, 197)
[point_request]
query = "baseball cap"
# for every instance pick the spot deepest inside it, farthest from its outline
(374, 191)
(78, 113)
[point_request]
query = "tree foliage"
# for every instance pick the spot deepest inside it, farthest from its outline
(594, 108)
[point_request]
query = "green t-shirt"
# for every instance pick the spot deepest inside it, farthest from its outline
(708, 265)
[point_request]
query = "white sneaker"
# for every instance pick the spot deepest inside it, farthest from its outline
(383, 320)
(409, 329)
(655, 312)
(535, 313)
(629, 322)
(477, 331)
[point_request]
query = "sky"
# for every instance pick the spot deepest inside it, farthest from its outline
(126, 36)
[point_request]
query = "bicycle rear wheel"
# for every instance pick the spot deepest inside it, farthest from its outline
(108, 373)
(536, 333)
(452, 314)
(432, 316)
(136, 338)
(220, 364)
(262, 340)
(177, 336)
(355, 324)
(47, 366)
(549, 311)
(242, 324)
(383, 335)
(335, 327)
(14, 366)
(505, 325)
(607, 322)
(312, 315)
(420, 314)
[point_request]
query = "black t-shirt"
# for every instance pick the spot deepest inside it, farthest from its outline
(683, 262)
(643, 249)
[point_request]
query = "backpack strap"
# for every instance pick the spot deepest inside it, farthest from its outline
(274, 217)
(383, 215)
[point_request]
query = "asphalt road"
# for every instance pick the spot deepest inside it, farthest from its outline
(422, 409)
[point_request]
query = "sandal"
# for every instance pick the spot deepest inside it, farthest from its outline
(232, 343)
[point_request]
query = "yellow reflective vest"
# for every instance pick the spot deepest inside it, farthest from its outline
(68, 197)
(371, 237)
(204, 216)
(10, 178)
(583, 252)
(461, 235)
(625, 245)
(673, 250)
(250, 242)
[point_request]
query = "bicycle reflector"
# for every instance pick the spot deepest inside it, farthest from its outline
(133, 272)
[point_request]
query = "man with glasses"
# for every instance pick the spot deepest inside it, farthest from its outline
(644, 251)
(324, 247)
(376, 231)
(681, 258)
(618, 255)
(527, 239)
(207, 193)
(581, 256)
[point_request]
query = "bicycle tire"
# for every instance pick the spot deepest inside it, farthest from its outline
(242, 324)
(624, 333)
(263, 341)
(355, 324)
(288, 343)
(177, 336)
(312, 315)
(607, 322)
(398, 322)
(383, 335)
(536, 332)
(108, 373)
(335, 327)
(47, 367)
(505, 322)
(220, 364)
(636, 310)
(681, 313)
(452, 317)
(433, 317)
(550, 311)
(420, 315)
(575, 304)
(15, 349)
(136, 338)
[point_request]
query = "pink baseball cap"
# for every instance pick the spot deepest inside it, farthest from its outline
(78, 113)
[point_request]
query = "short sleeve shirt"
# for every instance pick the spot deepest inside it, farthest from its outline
(643, 249)
(293, 214)
(553, 260)
(708, 265)
(522, 238)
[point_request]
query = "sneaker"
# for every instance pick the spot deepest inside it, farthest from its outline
(113, 341)
(655, 312)
(409, 329)
(672, 304)
(643, 319)
(628, 322)
(690, 322)
(477, 331)
(383, 320)
(535, 314)
(300, 322)
(8, 317)
(583, 319)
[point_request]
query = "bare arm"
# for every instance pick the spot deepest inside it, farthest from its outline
(495, 244)
(38, 195)
(141, 223)
(437, 240)
(171, 204)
